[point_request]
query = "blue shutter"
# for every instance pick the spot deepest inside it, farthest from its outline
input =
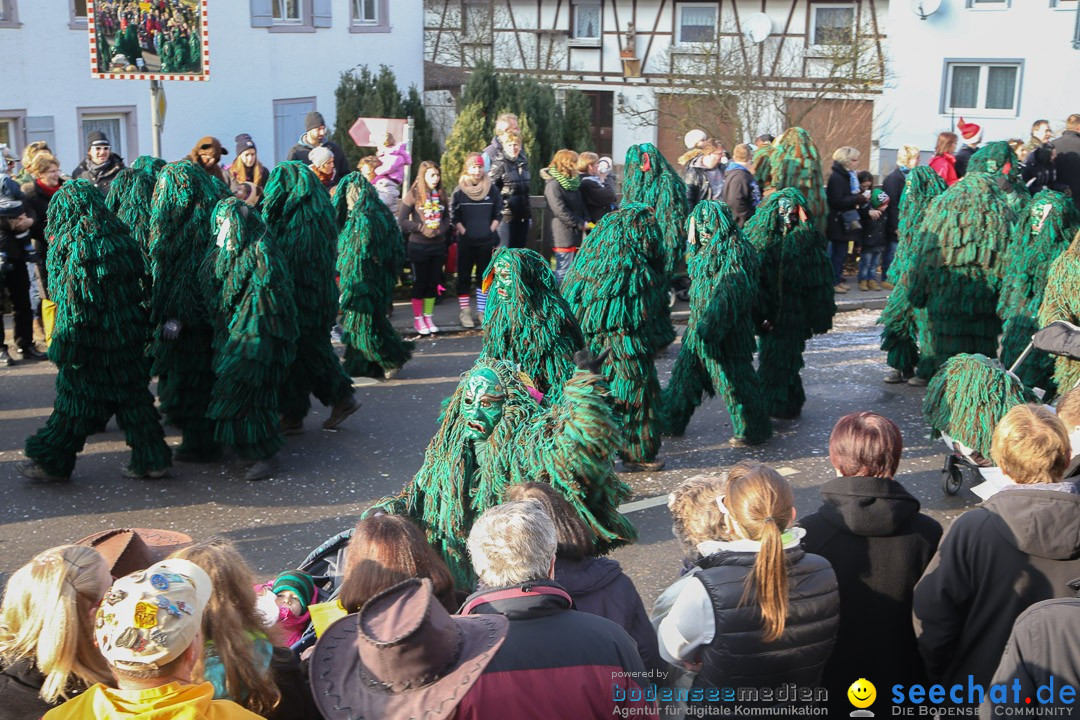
(1076, 32)
(320, 13)
(262, 13)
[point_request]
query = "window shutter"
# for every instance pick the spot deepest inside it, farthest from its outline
(262, 13)
(320, 13)
(1076, 32)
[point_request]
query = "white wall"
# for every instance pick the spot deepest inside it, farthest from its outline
(1030, 30)
(47, 73)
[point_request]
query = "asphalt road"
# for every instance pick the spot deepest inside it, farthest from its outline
(327, 478)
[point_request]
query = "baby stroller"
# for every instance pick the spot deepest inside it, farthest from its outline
(326, 565)
(1058, 338)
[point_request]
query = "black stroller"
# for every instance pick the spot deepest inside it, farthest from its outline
(325, 564)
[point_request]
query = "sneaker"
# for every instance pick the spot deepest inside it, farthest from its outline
(873, 284)
(127, 472)
(429, 320)
(654, 466)
(32, 470)
(840, 288)
(262, 469)
(341, 410)
(864, 285)
(390, 373)
(886, 285)
(466, 318)
(31, 353)
(918, 382)
(896, 377)
(420, 326)
(5, 359)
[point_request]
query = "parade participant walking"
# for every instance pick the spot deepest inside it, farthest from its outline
(301, 219)
(97, 273)
(425, 217)
(475, 212)
(793, 161)
(370, 257)
(649, 180)
(618, 290)
(717, 352)
(101, 164)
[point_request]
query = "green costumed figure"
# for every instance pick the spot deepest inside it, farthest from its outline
(127, 44)
(796, 295)
(904, 329)
(131, 195)
(650, 180)
(618, 290)
(301, 219)
(717, 352)
(956, 272)
(1061, 301)
(96, 273)
(794, 162)
(370, 256)
(255, 338)
(1044, 232)
(998, 159)
(493, 433)
(181, 235)
(528, 321)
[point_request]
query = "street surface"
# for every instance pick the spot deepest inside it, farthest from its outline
(328, 478)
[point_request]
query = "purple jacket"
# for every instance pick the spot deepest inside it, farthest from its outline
(393, 164)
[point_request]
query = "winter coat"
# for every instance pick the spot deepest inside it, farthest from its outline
(1019, 547)
(701, 183)
(302, 149)
(873, 231)
(945, 166)
(577, 656)
(20, 684)
(1044, 648)
(568, 213)
(599, 586)
(476, 216)
(1068, 162)
(511, 176)
(893, 185)
(599, 197)
(38, 202)
(411, 220)
(103, 175)
(840, 199)
(1038, 171)
(963, 156)
(173, 700)
(878, 543)
(741, 192)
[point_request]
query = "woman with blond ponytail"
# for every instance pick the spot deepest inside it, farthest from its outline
(760, 611)
(47, 651)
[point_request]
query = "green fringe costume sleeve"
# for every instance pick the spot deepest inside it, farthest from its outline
(98, 279)
(796, 295)
(1061, 301)
(957, 270)
(717, 352)
(905, 328)
(130, 198)
(181, 236)
(618, 291)
(794, 162)
(300, 218)
(1043, 233)
(369, 259)
(529, 322)
(650, 180)
(968, 397)
(255, 344)
(570, 445)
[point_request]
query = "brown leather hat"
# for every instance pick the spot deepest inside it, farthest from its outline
(129, 550)
(402, 656)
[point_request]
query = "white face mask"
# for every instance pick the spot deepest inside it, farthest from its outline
(223, 232)
(266, 607)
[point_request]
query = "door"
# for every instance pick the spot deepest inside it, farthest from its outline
(834, 124)
(603, 114)
(289, 124)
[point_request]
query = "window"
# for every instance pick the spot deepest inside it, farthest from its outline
(289, 124)
(290, 15)
(370, 16)
(989, 4)
(118, 124)
(365, 12)
(478, 22)
(287, 12)
(1065, 4)
(77, 14)
(832, 24)
(588, 17)
(11, 130)
(9, 13)
(982, 88)
(696, 23)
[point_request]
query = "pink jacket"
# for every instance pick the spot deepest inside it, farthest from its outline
(945, 166)
(394, 159)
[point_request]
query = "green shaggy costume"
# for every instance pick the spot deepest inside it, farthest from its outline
(298, 213)
(717, 352)
(370, 256)
(528, 321)
(255, 339)
(181, 235)
(1061, 301)
(905, 328)
(796, 295)
(493, 433)
(131, 195)
(618, 291)
(650, 180)
(998, 159)
(794, 162)
(97, 276)
(1044, 232)
(957, 269)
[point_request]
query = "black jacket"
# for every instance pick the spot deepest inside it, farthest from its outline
(1068, 162)
(963, 156)
(698, 187)
(476, 216)
(411, 220)
(840, 199)
(302, 149)
(1019, 547)
(20, 684)
(599, 197)
(599, 586)
(737, 655)
(893, 185)
(873, 231)
(512, 177)
(568, 213)
(878, 543)
(739, 185)
(100, 176)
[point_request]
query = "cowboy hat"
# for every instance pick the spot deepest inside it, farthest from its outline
(129, 550)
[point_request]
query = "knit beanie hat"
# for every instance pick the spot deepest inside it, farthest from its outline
(299, 583)
(244, 142)
(319, 156)
(96, 137)
(313, 120)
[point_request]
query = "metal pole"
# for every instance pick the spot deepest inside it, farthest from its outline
(408, 148)
(155, 116)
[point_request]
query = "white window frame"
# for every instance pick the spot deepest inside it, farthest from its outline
(677, 30)
(128, 117)
(989, 5)
(287, 21)
(10, 18)
(380, 24)
(16, 122)
(586, 40)
(980, 110)
(811, 29)
(1067, 5)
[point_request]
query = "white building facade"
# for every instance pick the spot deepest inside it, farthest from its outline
(271, 61)
(1001, 64)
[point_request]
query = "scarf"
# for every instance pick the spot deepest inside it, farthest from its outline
(325, 176)
(568, 183)
(475, 190)
(45, 190)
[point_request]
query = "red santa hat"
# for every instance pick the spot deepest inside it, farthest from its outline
(971, 132)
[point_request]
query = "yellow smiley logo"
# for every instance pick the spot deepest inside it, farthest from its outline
(862, 693)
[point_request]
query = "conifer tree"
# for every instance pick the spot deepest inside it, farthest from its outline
(466, 137)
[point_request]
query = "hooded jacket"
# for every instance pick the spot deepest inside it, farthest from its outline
(174, 700)
(878, 543)
(1018, 548)
(302, 149)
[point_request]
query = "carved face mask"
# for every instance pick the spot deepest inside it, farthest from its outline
(482, 404)
(499, 278)
(224, 225)
(786, 209)
(1039, 213)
